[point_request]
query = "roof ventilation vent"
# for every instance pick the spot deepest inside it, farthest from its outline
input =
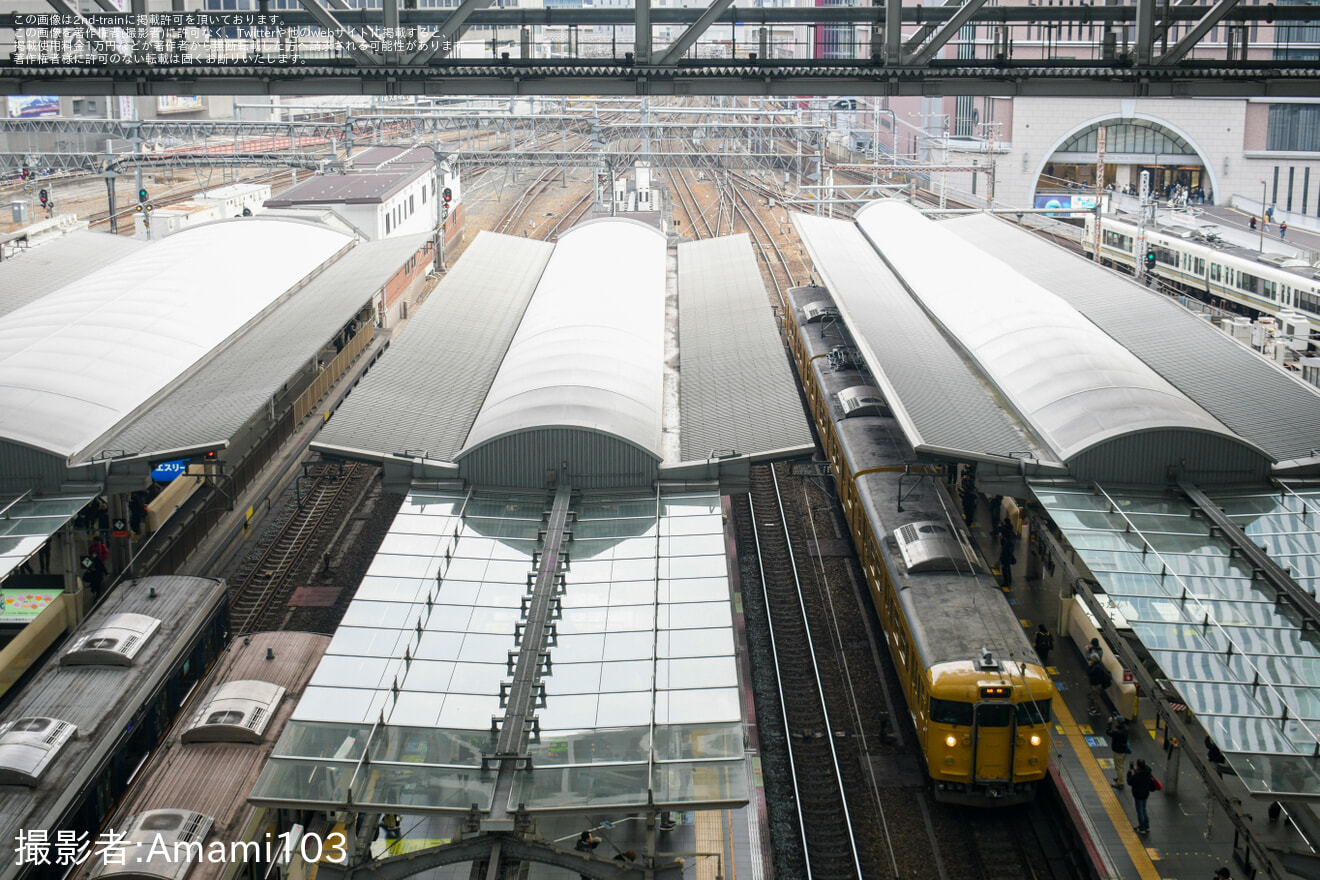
(116, 642)
(28, 746)
(986, 661)
(819, 311)
(149, 836)
(931, 545)
(862, 400)
(237, 711)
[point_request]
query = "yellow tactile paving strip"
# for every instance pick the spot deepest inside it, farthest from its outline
(1132, 842)
(710, 839)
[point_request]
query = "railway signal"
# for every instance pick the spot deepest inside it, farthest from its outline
(1150, 259)
(142, 195)
(448, 195)
(44, 196)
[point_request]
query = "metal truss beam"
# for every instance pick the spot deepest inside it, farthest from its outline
(689, 36)
(1296, 81)
(351, 43)
(926, 29)
(946, 32)
(1213, 16)
(932, 16)
(442, 40)
(99, 162)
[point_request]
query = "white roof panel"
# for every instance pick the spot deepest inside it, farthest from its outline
(78, 361)
(589, 352)
(1073, 383)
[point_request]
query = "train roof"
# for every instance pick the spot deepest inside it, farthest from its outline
(953, 615)
(215, 778)
(1190, 235)
(101, 700)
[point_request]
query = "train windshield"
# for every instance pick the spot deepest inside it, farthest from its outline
(1037, 712)
(994, 714)
(950, 712)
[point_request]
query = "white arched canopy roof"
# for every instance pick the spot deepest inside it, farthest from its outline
(78, 361)
(589, 352)
(1074, 384)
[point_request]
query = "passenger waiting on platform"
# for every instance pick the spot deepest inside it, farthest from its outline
(1044, 644)
(1094, 650)
(98, 550)
(1098, 677)
(1007, 556)
(1251, 224)
(1283, 229)
(1117, 732)
(967, 488)
(93, 575)
(1143, 782)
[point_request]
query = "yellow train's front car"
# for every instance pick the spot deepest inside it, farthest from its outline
(986, 730)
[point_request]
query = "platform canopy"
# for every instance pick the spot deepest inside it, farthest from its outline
(242, 375)
(641, 703)
(738, 393)
(582, 382)
(26, 523)
(1248, 667)
(78, 361)
(32, 273)
(943, 404)
(1258, 400)
(573, 356)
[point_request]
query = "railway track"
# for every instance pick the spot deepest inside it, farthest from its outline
(821, 781)
(290, 551)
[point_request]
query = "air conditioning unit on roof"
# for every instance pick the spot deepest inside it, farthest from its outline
(862, 400)
(28, 746)
(237, 711)
(116, 642)
(931, 545)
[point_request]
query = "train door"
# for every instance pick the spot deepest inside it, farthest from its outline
(993, 732)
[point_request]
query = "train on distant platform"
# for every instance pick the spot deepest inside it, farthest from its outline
(976, 693)
(1195, 261)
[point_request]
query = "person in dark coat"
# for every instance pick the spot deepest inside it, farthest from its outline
(1117, 732)
(1142, 782)
(1044, 644)
(1098, 678)
(1007, 556)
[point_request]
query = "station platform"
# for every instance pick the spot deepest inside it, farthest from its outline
(1190, 836)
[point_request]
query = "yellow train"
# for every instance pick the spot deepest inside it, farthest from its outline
(977, 696)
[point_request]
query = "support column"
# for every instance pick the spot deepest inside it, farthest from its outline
(642, 32)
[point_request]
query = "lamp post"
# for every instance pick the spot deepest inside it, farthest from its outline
(1261, 224)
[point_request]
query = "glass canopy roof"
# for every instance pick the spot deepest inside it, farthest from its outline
(26, 523)
(1242, 663)
(641, 698)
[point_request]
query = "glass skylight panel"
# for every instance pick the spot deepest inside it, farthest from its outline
(414, 677)
(1242, 662)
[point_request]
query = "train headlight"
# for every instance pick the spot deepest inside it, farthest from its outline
(951, 740)
(1035, 739)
